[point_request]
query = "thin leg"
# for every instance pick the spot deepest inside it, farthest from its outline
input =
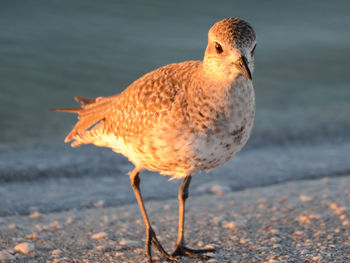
(151, 236)
(180, 249)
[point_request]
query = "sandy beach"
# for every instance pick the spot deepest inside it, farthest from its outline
(300, 221)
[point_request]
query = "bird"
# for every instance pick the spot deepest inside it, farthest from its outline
(178, 120)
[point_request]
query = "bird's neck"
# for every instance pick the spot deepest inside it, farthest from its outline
(206, 86)
(213, 71)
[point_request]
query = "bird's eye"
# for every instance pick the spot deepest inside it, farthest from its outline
(253, 50)
(218, 48)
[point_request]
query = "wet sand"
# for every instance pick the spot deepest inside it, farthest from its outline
(298, 221)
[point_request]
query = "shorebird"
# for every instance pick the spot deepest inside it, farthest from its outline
(179, 119)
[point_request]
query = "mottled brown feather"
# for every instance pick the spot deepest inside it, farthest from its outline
(181, 118)
(137, 107)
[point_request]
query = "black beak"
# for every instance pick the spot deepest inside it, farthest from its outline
(242, 66)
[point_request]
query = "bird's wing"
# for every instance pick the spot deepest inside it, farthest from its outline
(141, 105)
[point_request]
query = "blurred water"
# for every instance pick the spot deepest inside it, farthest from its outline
(51, 51)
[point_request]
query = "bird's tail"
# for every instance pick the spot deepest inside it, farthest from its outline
(81, 100)
(70, 110)
(92, 111)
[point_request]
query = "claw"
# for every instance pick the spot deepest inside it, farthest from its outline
(152, 239)
(192, 253)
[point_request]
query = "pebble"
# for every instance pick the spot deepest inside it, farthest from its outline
(126, 242)
(11, 226)
(100, 203)
(232, 225)
(284, 198)
(244, 240)
(34, 214)
(299, 233)
(274, 231)
(276, 246)
(69, 220)
(303, 219)
(56, 252)
(305, 198)
(6, 256)
(102, 248)
(41, 227)
(33, 236)
(314, 216)
(346, 223)
(100, 235)
(216, 189)
(55, 224)
(317, 258)
(220, 189)
(216, 219)
(275, 239)
(118, 254)
(25, 247)
(212, 246)
(336, 208)
(333, 206)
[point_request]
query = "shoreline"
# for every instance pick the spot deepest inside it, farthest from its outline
(58, 175)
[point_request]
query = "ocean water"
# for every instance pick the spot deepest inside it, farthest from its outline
(51, 51)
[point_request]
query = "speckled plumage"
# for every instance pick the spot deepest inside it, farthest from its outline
(181, 118)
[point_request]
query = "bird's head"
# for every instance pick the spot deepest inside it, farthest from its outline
(230, 50)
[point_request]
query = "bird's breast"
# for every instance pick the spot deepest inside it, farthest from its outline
(229, 131)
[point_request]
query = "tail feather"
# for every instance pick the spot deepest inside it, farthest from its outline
(83, 101)
(91, 112)
(70, 110)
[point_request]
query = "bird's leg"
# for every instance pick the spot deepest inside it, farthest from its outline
(180, 249)
(151, 236)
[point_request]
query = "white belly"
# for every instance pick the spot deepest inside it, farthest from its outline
(215, 150)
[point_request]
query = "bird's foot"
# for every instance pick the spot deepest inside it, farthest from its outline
(193, 253)
(152, 239)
